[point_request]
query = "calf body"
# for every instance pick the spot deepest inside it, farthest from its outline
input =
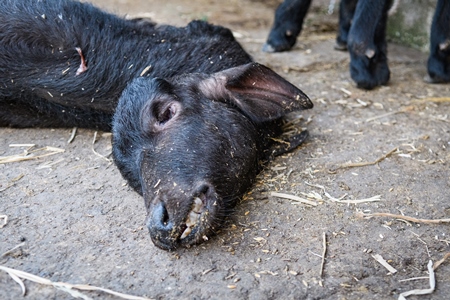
(192, 116)
(362, 30)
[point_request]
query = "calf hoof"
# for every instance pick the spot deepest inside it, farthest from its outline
(268, 48)
(370, 77)
(439, 64)
(280, 40)
(340, 46)
(435, 79)
(370, 69)
(372, 81)
(438, 69)
(279, 47)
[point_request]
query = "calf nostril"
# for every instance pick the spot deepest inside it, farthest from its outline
(161, 227)
(165, 216)
(160, 218)
(204, 191)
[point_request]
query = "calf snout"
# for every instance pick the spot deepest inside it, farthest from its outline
(161, 227)
(178, 217)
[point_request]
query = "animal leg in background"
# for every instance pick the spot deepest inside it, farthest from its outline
(439, 59)
(287, 25)
(367, 44)
(346, 12)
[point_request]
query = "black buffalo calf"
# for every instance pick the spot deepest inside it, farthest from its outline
(192, 116)
(362, 30)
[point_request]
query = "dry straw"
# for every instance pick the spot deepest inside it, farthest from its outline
(72, 289)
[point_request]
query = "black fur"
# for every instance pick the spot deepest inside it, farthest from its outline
(367, 44)
(287, 25)
(362, 30)
(39, 60)
(192, 116)
(439, 59)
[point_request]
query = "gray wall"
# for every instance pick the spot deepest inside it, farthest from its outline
(410, 23)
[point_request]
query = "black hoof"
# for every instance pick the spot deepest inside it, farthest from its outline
(433, 80)
(268, 48)
(340, 46)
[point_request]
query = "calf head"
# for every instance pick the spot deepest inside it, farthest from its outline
(192, 145)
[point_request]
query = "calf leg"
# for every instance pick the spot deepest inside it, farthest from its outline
(367, 44)
(32, 111)
(287, 26)
(439, 59)
(346, 12)
(13, 114)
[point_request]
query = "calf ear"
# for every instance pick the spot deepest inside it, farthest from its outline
(257, 91)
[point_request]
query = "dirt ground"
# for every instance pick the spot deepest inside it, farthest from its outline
(72, 218)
